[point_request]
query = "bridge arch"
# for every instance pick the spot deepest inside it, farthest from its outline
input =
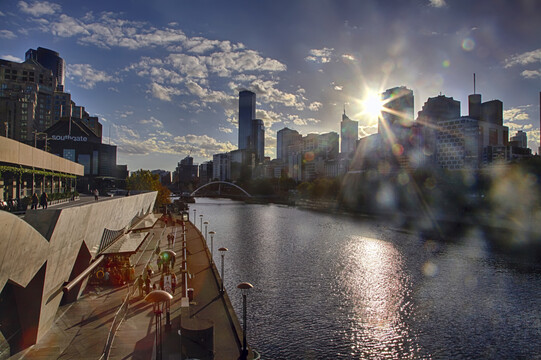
(220, 182)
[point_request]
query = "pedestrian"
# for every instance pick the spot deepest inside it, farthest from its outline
(173, 282)
(96, 194)
(35, 201)
(43, 200)
(159, 263)
(140, 283)
(147, 285)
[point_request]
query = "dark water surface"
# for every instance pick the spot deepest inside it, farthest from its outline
(335, 287)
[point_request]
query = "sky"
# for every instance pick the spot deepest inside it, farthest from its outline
(163, 76)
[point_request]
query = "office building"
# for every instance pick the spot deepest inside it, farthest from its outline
(349, 133)
(285, 138)
(397, 115)
(257, 140)
(220, 167)
(206, 172)
(247, 106)
(186, 170)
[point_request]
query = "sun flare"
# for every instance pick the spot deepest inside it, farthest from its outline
(372, 104)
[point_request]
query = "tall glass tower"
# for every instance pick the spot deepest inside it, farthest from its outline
(51, 60)
(246, 115)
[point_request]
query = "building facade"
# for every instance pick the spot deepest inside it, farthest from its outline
(247, 105)
(51, 60)
(349, 134)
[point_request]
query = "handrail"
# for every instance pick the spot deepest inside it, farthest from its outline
(83, 274)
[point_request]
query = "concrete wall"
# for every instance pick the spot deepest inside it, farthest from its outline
(17, 153)
(55, 237)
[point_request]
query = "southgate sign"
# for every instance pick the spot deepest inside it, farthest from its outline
(69, 137)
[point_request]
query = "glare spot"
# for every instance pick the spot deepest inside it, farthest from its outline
(430, 269)
(398, 149)
(430, 183)
(309, 156)
(468, 44)
(403, 178)
(446, 63)
(384, 167)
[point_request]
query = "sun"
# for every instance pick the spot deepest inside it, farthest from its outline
(372, 104)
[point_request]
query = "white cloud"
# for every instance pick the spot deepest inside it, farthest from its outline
(87, 76)
(201, 145)
(438, 3)
(338, 88)
(302, 121)
(531, 74)
(67, 26)
(516, 114)
(348, 57)
(6, 34)
(11, 58)
(315, 106)
(266, 91)
(225, 130)
(524, 59)
(152, 122)
(38, 8)
(320, 56)
(163, 92)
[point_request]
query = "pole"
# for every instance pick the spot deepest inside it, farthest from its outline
(211, 245)
(244, 352)
(206, 233)
(222, 289)
(194, 218)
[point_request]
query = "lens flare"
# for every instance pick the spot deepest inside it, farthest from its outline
(468, 44)
(372, 104)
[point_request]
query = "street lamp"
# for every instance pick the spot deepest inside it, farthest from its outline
(244, 287)
(194, 218)
(222, 251)
(201, 222)
(156, 297)
(206, 224)
(36, 133)
(211, 233)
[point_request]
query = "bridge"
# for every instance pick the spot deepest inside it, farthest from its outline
(220, 188)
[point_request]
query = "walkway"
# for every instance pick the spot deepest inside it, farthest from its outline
(81, 328)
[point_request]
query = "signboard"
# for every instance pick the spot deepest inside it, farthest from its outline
(167, 284)
(69, 137)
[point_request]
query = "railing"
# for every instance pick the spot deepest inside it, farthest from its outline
(119, 317)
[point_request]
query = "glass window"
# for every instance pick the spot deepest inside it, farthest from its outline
(95, 157)
(84, 159)
(69, 154)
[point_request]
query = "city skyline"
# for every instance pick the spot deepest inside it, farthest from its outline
(164, 78)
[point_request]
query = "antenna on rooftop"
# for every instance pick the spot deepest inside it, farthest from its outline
(474, 83)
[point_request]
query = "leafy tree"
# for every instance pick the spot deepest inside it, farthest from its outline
(144, 180)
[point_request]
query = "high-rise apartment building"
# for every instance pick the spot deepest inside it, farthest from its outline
(26, 96)
(246, 115)
(520, 139)
(349, 133)
(51, 60)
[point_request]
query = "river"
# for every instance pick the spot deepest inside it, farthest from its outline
(332, 286)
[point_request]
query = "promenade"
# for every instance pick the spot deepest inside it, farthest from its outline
(81, 329)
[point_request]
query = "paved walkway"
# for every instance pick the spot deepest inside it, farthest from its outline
(82, 328)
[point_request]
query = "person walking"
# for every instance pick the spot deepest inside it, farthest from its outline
(35, 201)
(43, 200)
(173, 282)
(140, 283)
(96, 194)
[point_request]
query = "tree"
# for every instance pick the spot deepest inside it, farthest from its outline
(144, 180)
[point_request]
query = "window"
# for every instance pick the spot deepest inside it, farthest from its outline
(84, 159)
(95, 157)
(69, 154)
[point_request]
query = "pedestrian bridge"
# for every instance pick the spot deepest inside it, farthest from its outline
(194, 193)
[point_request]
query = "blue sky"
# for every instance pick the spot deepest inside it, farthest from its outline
(163, 76)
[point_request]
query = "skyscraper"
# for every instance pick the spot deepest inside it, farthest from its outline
(285, 138)
(349, 134)
(398, 109)
(51, 60)
(257, 140)
(246, 115)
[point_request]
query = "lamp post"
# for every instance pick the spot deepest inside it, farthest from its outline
(244, 287)
(194, 218)
(201, 222)
(156, 297)
(211, 233)
(206, 224)
(222, 251)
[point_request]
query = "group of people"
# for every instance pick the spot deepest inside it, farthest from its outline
(43, 200)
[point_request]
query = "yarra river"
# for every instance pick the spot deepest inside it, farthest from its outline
(329, 286)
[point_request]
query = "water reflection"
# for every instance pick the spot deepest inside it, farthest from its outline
(374, 282)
